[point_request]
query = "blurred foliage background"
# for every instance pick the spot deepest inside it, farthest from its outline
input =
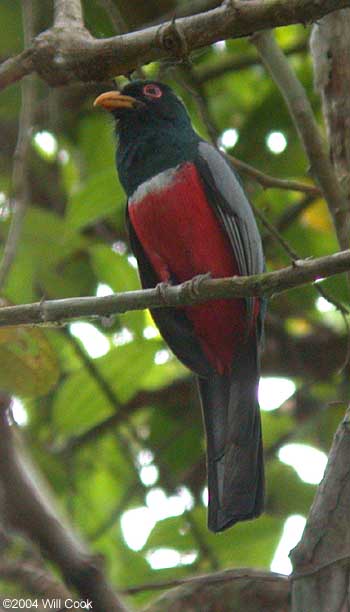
(110, 417)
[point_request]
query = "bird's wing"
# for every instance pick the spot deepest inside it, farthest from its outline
(225, 194)
(173, 324)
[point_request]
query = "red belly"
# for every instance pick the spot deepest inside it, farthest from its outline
(182, 238)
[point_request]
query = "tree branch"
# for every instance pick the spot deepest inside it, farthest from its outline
(65, 54)
(195, 291)
(20, 173)
(34, 578)
(330, 51)
(68, 13)
(244, 589)
(302, 115)
(15, 68)
(28, 508)
(322, 557)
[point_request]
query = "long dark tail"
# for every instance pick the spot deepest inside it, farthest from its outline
(234, 442)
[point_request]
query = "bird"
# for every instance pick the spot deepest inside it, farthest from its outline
(187, 216)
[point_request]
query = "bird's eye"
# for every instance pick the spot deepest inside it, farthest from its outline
(152, 91)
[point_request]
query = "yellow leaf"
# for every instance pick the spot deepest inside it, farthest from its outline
(317, 216)
(298, 327)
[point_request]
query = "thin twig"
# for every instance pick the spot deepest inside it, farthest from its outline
(117, 19)
(293, 255)
(190, 83)
(20, 188)
(302, 115)
(292, 213)
(91, 367)
(143, 398)
(233, 63)
(267, 181)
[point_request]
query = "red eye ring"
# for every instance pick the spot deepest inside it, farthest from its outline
(152, 91)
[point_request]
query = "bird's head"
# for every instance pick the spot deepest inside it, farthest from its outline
(145, 101)
(154, 130)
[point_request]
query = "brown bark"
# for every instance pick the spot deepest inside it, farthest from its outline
(321, 560)
(321, 579)
(230, 591)
(330, 46)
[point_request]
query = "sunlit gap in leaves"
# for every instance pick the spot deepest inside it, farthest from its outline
(132, 261)
(94, 342)
(274, 391)
(19, 412)
(276, 142)
(163, 558)
(324, 305)
(219, 46)
(138, 523)
(45, 144)
(228, 139)
(148, 472)
(309, 462)
(205, 497)
(162, 356)
(4, 206)
(292, 532)
(123, 336)
(119, 247)
(103, 290)
(63, 157)
(150, 332)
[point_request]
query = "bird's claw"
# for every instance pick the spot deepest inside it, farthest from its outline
(161, 289)
(192, 286)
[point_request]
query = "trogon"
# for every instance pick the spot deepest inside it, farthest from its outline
(187, 215)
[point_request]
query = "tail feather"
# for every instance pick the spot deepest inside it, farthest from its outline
(234, 442)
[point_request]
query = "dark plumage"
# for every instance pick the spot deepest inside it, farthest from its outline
(188, 215)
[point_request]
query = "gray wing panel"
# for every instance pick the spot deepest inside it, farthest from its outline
(232, 207)
(233, 210)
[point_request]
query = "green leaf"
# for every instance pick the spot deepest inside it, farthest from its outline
(281, 477)
(99, 196)
(80, 402)
(97, 143)
(251, 543)
(28, 364)
(113, 269)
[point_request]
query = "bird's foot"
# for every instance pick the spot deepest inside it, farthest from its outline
(192, 286)
(162, 288)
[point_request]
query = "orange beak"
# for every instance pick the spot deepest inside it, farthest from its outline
(112, 100)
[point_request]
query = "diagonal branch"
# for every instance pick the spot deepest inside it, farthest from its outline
(28, 508)
(191, 292)
(64, 54)
(267, 181)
